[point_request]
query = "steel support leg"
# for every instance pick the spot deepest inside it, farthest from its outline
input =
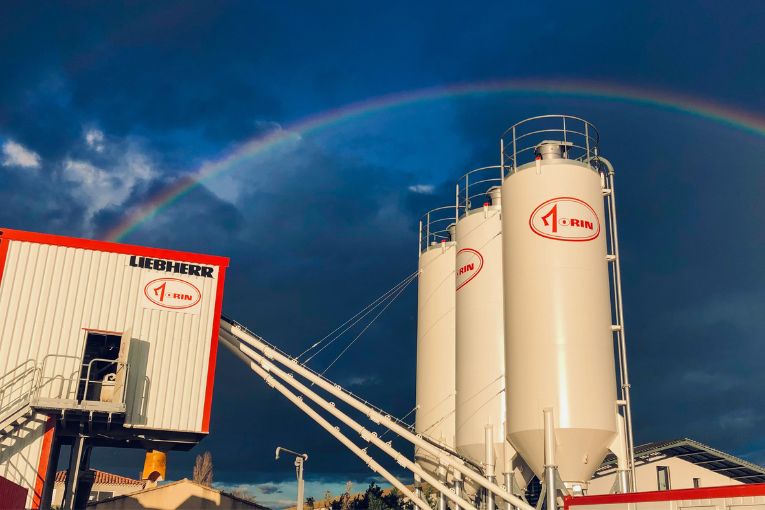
(73, 473)
(509, 488)
(50, 476)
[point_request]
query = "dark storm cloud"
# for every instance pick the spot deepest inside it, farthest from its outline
(269, 489)
(329, 237)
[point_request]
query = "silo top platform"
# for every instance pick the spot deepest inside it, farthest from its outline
(571, 137)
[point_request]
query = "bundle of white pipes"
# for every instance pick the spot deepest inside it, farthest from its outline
(264, 360)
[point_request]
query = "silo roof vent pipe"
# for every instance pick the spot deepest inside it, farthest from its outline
(452, 229)
(552, 149)
(495, 195)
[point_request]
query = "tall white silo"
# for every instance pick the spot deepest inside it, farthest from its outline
(480, 340)
(436, 332)
(558, 334)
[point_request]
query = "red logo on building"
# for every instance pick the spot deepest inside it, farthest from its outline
(469, 264)
(172, 293)
(565, 219)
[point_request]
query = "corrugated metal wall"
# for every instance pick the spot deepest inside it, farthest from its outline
(20, 456)
(50, 294)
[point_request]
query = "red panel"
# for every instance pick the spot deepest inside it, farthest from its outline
(728, 491)
(3, 256)
(126, 249)
(213, 351)
(42, 466)
(12, 496)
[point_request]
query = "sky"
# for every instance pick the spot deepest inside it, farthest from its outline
(104, 107)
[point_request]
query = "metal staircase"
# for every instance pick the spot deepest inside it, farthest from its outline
(16, 391)
(35, 388)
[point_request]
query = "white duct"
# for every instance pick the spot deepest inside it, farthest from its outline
(359, 452)
(444, 458)
(365, 434)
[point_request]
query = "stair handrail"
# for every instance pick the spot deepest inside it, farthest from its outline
(42, 381)
(25, 396)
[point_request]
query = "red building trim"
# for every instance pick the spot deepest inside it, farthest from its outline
(213, 351)
(42, 465)
(728, 491)
(126, 249)
(3, 257)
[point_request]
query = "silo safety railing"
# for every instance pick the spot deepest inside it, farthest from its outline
(474, 186)
(519, 143)
(435, 226)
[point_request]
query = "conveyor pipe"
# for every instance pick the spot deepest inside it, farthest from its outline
(360, 452)
(374, 415)
(365, 434)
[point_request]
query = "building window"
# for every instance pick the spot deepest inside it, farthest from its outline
(662, 477)
(696, 483)
(99, 495)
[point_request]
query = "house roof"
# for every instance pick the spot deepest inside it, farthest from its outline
(178, 482)
(102, 477)
(695, 453)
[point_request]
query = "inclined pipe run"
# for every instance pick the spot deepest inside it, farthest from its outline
(365, 434)
(360, 452)
(375, 416)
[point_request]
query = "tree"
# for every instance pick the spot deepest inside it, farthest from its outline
(396, 499)
(203, 469)
(243, 493)
(373, 498)
(430, 495)
(345, 499)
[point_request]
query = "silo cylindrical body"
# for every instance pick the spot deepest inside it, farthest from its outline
(435, 348)
(558, 337)
(480, 340)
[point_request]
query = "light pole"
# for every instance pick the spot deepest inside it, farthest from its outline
(300, 458)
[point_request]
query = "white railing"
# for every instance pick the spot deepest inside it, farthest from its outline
(474, 186)
(519, 143)
(33, 382)
(435, 226)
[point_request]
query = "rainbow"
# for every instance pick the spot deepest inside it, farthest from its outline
(700, 108)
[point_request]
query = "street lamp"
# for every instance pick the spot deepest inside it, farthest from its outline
(300, 458)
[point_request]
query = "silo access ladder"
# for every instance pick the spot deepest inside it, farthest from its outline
(279, 371)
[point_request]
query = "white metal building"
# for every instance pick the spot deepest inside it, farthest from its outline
(679, 464)
(101, 344)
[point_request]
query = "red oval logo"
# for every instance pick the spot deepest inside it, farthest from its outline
(469, 264)
(565, 219)
(172, 293)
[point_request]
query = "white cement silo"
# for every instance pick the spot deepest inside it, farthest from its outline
(480, 377)
(480, 340)
(558, 336)
(436, 333)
